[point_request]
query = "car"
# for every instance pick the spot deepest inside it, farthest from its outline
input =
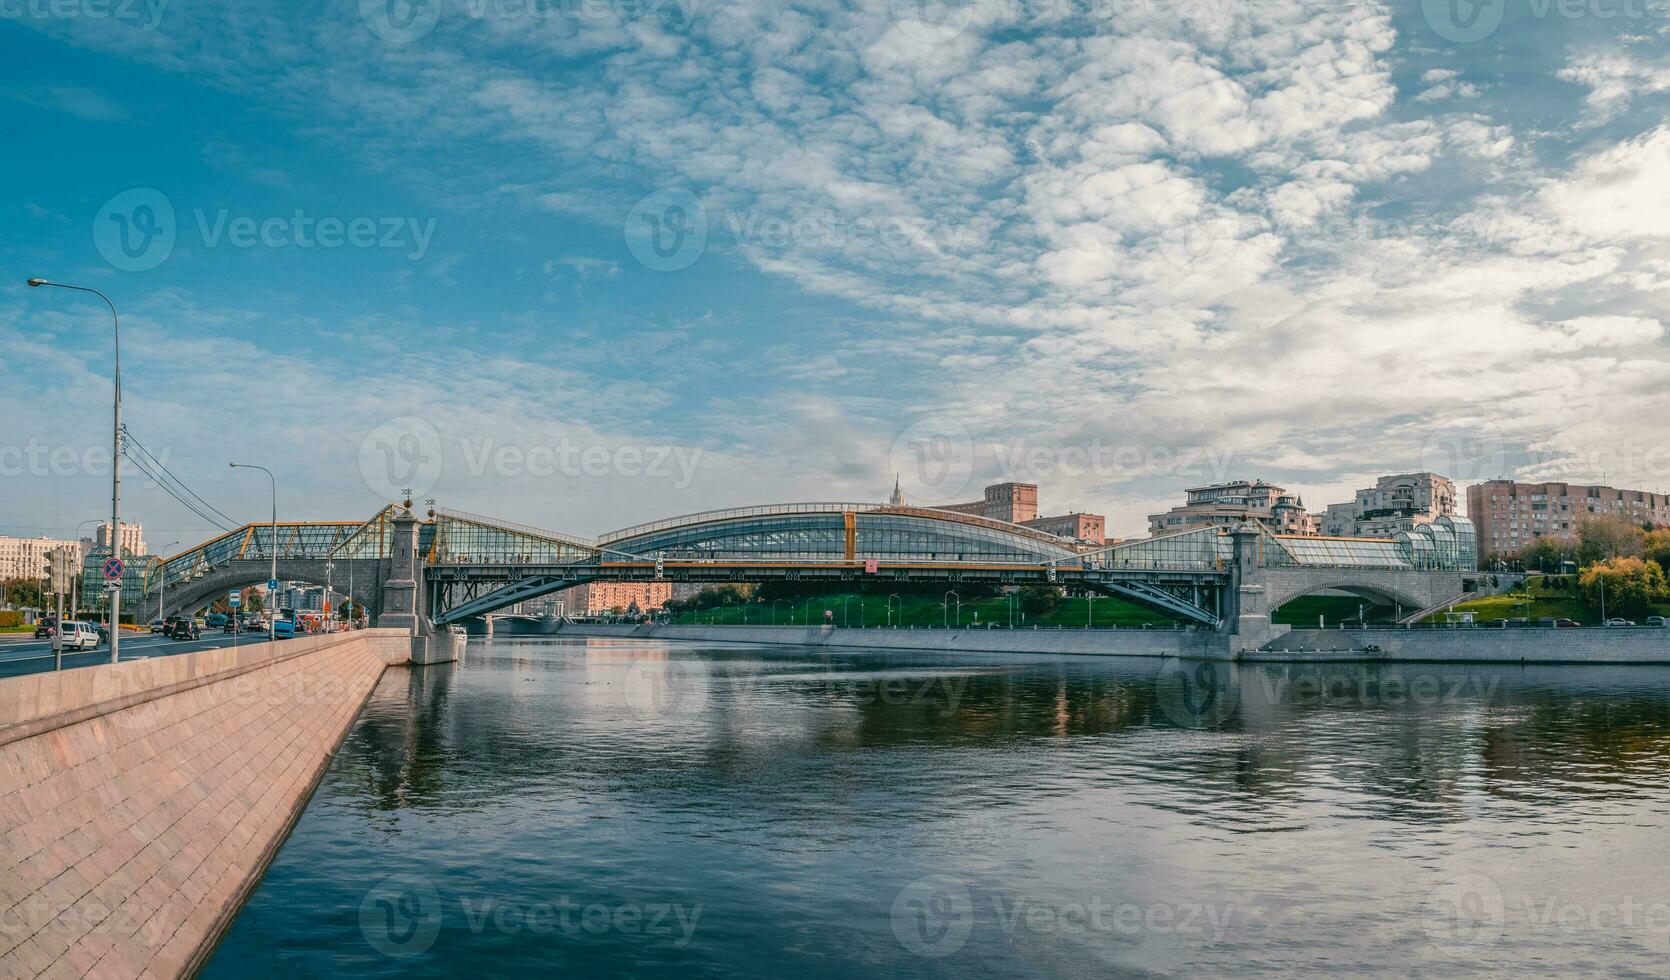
(1566, 622)
(182, 628)
(158, 625)
(254, 626)
(1617, 621)
(104, 633)
(1498, 623)
(45, 629)
(79, 635)
(1656, 621)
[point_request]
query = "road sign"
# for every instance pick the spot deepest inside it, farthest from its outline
(870, 566)
(272, 585)
(234, 599)
(113, 569)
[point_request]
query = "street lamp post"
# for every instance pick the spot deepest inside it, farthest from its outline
(890, 597)
(1089, 605)
(115, 461)
(946, 603)
(330, 612)
(272, 617)
(162, 580)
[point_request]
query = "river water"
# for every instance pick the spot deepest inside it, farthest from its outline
(619, 808)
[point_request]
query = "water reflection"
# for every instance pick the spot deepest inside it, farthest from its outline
(853, 813)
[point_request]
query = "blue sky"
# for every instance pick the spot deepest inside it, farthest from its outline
(1112, 247)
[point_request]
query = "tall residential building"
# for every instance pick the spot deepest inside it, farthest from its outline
(27, 557)
(133, 537)
(1511, 515)
(1228, 504)
(1017, 503)
(1395, 503)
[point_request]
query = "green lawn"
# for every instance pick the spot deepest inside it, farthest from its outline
(1513, 605)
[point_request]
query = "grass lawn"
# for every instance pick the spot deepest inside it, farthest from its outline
(1512, 605)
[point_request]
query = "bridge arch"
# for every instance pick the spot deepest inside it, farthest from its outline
(187, 597)
(1383, 587)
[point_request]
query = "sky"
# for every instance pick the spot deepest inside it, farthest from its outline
(584, 263)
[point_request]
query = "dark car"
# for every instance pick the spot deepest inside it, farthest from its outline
(230, 627)
(46, 629)
(104, 633)
(182, 628)
(1566, 622)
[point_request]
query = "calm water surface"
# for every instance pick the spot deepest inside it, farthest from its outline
(619, 808)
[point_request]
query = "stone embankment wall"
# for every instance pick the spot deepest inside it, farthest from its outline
(140, 801)
(1622, 645)
(1118, 643)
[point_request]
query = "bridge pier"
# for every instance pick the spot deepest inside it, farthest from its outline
(1247, 624)
(400, 605)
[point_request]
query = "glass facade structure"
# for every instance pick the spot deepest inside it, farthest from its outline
(454, 538)
(1206, 549)
(819, 532)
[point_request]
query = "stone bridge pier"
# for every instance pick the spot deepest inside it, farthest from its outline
(400, 603)
(1257, 590)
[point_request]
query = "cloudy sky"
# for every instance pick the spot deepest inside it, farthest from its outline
(580, 263)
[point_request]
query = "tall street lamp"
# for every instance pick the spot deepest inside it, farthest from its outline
(947, 604)
(162, 583)
(272, 579)
(116, 462)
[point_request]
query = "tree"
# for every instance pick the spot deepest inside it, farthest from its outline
(1606, 537)
(1544, 553)
(1656, 548)
(1036, 600)
(22, 591)
(253, 602)
(1631, 586)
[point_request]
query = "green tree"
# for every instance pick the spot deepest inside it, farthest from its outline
(1631, 586)
(1036, 600)
(1656, 548)
(21, 591)
(1544, 553)
(1604, 538)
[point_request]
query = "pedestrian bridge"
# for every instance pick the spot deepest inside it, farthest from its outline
(447, 566)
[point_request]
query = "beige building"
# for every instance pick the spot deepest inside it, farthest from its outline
(1228, 504)
(1017, 503)
(602, 598)
(133, 537)
(1510, 515)
(1395, 503)
(27, 557)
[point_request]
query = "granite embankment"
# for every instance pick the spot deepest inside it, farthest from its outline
(140, 801)
(1621, 645)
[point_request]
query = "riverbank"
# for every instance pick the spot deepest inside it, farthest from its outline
(1622, 645)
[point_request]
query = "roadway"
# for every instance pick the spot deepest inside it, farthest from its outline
(26, 655)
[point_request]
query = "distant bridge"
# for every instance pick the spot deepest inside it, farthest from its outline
(453, 566)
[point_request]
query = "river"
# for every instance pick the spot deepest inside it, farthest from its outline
(615, 808)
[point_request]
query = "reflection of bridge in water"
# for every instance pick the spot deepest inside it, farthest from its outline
(420, 572)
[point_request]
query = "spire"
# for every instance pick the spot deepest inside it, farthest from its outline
(898, 498)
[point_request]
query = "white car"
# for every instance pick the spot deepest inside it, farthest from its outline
(79, 636)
